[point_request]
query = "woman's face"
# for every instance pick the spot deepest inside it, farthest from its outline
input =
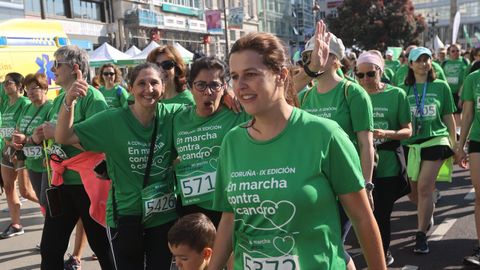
(167, 66)
(207, 90)
(63, 71)
(10, 87)
(255, 85)
(147, 87)
(109, 75)
(422, 66)
(35, 93)
(368, 75)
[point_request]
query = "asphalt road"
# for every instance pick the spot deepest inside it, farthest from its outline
(452, 237)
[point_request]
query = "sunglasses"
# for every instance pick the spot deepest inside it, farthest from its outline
(167, 65)
(370, 74)
(108, 73)
(57, 64)
(202, 86)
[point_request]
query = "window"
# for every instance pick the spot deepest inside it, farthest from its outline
(87, 10)
(33, 6)
(55, 7)
(233, 36)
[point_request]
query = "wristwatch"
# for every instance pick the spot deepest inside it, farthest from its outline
(369, 186)
(310, 73)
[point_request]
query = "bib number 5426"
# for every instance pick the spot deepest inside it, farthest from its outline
(161, 204)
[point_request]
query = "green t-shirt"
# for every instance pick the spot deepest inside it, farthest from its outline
(3, 99)
(26, 125)
(283, 193)
(184, 97)
(388, 75)
(85, 108)
(10, 116)
(115, 97)
(392, 64)
(390, 111)
(350, 108)
(126, 144)
(455, 73)
(471, 92)
(402, 72)
(197, 140)
(438, 102)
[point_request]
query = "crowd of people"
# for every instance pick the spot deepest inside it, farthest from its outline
(239, 166)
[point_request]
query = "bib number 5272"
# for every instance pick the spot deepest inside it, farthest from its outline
(278, 263)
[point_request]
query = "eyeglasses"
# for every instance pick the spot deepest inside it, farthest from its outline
(108, 73)
(33, 88)
(370, 74)
(8, 82)
(202, 86)
(454, 51)
(57, 64)
(167, 65)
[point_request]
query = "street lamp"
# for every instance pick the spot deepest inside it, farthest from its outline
(315, 9)
(432, 20)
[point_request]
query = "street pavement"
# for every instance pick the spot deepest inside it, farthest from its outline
(452, 237)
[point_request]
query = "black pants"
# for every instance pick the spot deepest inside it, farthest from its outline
(136, 248)
(385, 194)
(57, 230)
(40, 184)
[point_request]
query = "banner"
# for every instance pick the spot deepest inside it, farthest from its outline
(235, 18)
(455, 27)
(214, 21)
(467, 36)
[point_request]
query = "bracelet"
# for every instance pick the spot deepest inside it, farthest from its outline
(310, 73)
(68, 108)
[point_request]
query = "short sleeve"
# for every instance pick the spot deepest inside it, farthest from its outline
(342, 164)
(361, 110)
(95, 132)
(468, 87)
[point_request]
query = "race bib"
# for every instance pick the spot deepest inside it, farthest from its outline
(452, 80)
(267, 252)
(33, 151)
(428, 111)
(198, 188)
(6, 132)
(157, 198)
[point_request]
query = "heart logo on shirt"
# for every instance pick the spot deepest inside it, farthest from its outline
(279, 214)
(213, 163)
(284, 245)
(380, 125)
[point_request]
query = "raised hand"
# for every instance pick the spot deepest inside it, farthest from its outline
(78, 89)
(321, 48)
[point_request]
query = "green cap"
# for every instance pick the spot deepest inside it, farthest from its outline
(417, 52)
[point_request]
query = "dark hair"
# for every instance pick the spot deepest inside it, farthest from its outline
(39, 79)
(453, 45)
(180, 67)
(410, 79)
(274, 55)
(133, 74)
(118, 73)
(17, 78)
(194, 230)
(208, 63)
(96, 81)
(474, 67)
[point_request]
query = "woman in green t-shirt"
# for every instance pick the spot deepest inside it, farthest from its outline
(141, 204)
(110, 78)
(279, 175)
(198, 132)
(13, 164)
(471, 129)
(174, 71)
(33, 116)
(391, 120)
(430, 147)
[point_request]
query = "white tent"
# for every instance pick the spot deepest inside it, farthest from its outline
(133, 51)
(106, 54)
(150, 47)
(186, 54)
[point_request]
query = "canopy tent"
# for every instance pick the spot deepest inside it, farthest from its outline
(141, 57)
(186, 54)
(106, 54)
(133, 51)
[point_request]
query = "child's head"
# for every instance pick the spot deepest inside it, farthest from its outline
(191, 241)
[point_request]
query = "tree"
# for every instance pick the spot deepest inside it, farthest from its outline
(370, 24)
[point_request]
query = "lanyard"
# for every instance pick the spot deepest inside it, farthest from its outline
(420, 104)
